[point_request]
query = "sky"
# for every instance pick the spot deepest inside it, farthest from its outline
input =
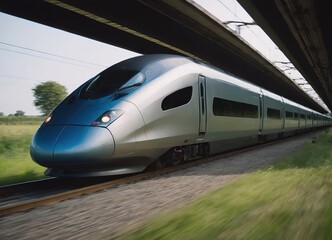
(31, 53)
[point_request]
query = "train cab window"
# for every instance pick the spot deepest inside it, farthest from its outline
(109, 81)
(228, 108)
(273, 113)
(177, 99)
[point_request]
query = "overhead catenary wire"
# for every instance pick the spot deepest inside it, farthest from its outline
(50, 54)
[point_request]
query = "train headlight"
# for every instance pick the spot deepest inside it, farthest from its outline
(107, 118)
(48, 118)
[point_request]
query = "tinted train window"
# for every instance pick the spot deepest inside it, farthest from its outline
(289, 115)
(273, 113)
(108, 82)
(223, 107)
(176, 99)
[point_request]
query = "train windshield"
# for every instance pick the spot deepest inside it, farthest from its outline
(110, 82)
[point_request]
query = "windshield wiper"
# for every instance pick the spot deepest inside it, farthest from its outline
(122, 89)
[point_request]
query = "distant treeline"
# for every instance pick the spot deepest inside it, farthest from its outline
(22, 120)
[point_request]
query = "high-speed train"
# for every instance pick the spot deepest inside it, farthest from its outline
(160, 110)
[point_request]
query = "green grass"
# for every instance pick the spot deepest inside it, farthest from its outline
(22, 120)
(290, 200)
(15, 161)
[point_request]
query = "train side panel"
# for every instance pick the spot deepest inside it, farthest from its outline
(273, 122)
(302, 119)
(169, 107)
(233, 114)
(291, 117)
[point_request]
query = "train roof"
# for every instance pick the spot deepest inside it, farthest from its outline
(165, 61)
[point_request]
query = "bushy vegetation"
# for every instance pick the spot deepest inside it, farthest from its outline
(15, 161)
(290, 200)
(20, 120)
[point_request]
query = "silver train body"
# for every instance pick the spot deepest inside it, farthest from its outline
(160, 109)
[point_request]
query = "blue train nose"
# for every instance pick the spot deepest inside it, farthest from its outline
(72, 146)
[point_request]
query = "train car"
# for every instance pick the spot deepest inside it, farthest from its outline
(160, 110)
(291, 118)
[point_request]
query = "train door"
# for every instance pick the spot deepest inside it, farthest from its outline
(261, 113)
(283, 115)
(202, 105)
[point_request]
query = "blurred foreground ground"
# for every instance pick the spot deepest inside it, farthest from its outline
(248, 196)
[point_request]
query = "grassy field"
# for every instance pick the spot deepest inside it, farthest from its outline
(15, 162)
(289, 200)
(23, 120)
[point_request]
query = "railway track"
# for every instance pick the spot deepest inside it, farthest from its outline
(25, 196)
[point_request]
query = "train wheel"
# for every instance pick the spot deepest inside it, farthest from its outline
(160, 163)
(171, 158)
(262, 139)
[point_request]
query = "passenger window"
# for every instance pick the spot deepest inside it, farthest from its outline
(273, 113)
(289, 115)
(228, 108)
(177, 99)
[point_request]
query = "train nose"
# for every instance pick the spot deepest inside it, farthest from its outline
(72, 146)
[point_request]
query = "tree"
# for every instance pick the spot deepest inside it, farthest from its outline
(48, 95)
(19, 113)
